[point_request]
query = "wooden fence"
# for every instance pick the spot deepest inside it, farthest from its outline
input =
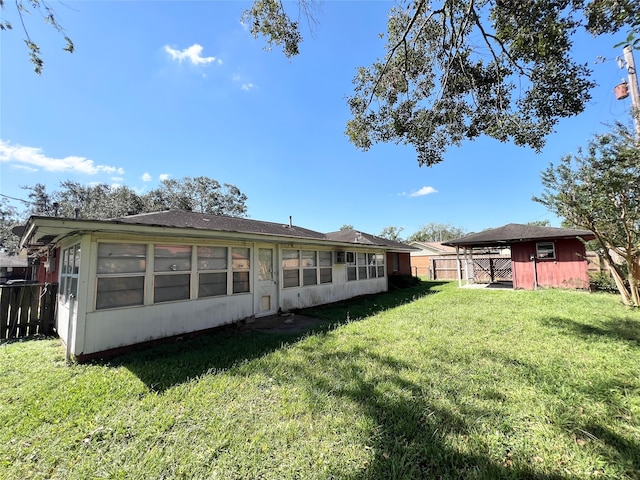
(486, 268)
(27, 310)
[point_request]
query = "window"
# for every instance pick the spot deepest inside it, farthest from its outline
(240, 263)
(325, 262)
(363, 265)
(172, 273)
(291, 268)
(69, 272)
(121, 272)
(309, 266)
(212, 271)
(545, 251)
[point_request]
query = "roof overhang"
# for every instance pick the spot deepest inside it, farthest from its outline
(48, 231)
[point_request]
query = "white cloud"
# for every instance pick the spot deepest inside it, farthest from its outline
(192, 54)
(247, 86)
(164, 176)
(146, 177)
(33, 158)
(423, 191)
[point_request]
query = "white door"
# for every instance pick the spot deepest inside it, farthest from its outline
(266, 298)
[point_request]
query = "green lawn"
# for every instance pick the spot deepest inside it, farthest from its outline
(429, 382)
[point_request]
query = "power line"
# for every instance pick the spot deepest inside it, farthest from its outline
(18, 199)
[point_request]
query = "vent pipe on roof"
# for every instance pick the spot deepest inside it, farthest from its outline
(290, 221)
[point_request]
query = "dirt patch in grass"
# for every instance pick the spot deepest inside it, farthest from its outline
(286, 323)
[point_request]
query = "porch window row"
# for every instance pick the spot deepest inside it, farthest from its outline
(177, 271)
(306, 267)
(364, 265)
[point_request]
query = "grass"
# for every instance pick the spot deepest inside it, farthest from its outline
(428, 382)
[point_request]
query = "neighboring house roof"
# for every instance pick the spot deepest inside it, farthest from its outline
(516, 233)
(361, 238)
(46, 230)
(13, 261)
(433, 248)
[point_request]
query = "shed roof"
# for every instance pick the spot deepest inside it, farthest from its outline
(517, 233)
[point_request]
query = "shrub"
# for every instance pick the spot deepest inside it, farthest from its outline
(602, 282)
(398, 280)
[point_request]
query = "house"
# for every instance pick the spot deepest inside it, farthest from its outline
(398, 261)
(540, 256)
(13, 267)
(423, 258)
(142, 278)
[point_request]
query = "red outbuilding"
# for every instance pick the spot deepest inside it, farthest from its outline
(540, 256)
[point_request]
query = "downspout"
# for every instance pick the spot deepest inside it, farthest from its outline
(458, 265)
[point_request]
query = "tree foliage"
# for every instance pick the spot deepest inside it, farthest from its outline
(102, 201)
(8, 219)
(436, 232)
(392, 233)
(454, 70)
(25, 8)
(599, 189)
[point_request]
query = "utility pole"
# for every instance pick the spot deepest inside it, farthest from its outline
(633, 86)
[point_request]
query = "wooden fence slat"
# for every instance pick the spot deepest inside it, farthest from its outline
(27, 310)
(5, 293)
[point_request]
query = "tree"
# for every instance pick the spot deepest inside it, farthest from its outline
(599, 189)
(436, 232)
(199, 194)
(540, 223)
(346, 227)
(8, 219)
(102, 201)
(392, 233)
(42, 7)
(454, 70)
(457, 69)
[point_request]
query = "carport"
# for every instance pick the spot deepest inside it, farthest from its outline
(540, 256)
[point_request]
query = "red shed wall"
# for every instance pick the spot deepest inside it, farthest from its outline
(567, 270)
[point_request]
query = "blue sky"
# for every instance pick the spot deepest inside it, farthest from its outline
(163, 88)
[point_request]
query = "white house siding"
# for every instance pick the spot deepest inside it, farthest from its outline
(102, 330)
(109, 329)
(340, 289)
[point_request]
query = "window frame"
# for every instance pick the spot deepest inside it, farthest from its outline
(200, 271)
(365, 265)
(296, 268)
(176, 270)
(104, 277)
(545, 253)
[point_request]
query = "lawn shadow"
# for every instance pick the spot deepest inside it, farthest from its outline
(411, 439)
(163, 366)
(368, 305)
(620, 329)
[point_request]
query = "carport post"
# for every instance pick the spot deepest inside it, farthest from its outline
(458, 266)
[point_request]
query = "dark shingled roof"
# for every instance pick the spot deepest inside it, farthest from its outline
(354, 236)
(203, 221)
(515, 233)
